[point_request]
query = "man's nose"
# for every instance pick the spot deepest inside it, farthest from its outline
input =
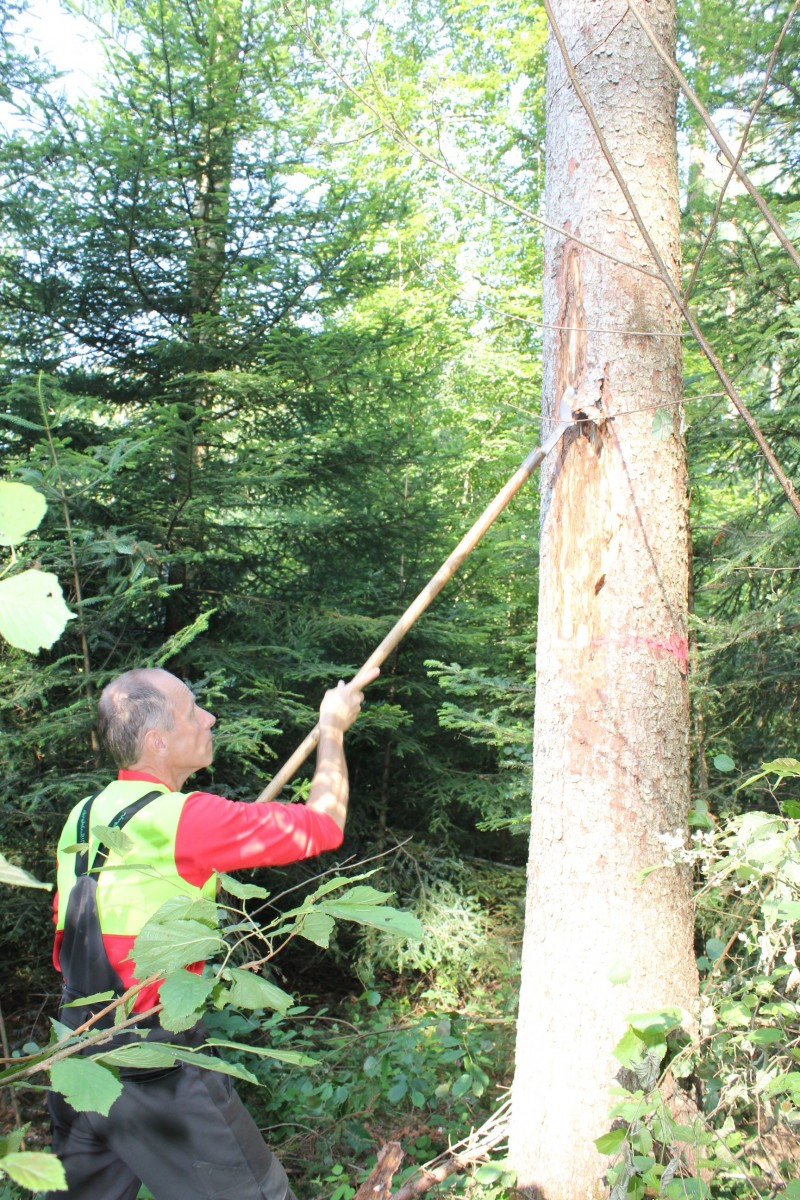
(211, 719)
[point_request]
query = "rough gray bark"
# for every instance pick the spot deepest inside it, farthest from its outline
(611, 731)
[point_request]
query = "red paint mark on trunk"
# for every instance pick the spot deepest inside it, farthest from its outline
(675, 646)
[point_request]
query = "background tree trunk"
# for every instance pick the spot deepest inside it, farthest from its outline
(611, 727)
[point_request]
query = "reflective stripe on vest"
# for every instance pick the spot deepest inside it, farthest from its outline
(130, 888)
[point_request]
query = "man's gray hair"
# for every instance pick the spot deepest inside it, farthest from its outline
(129, 706)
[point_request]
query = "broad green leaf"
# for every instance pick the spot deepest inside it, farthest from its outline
(317, 927)
(724, 762)
(658, 1022)
(32, 610)
(116, 839)
(144, 1056)
(12, 1141)
(488, 1173)
(183, 995)
(789, 1083)
(610, 1142)
(21, 510)
(294, 1057)
(782, 767)
(93, 999)
(629, 1048)
(248, 990)
(85, 1084)
(18, 877)
(340, 881)
(715, 947)
(195, 908)
(163, 948)
(367, 906)
(210, 1062)
(35, 1170)
(242, 891)
(767, 1036)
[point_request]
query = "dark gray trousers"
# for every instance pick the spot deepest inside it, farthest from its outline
(185, 1134)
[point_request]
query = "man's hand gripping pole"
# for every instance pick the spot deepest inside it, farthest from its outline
(365, 674)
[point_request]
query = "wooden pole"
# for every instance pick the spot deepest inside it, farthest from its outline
(434, 585)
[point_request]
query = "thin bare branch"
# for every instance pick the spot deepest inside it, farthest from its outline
(670, 284)
(390, 123)
(758, 102)
(670, 63)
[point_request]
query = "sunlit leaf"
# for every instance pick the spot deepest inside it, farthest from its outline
(163, 948)
(21, 510)
(610, 1142)
(35, 1170)
(183, 995)
(242, 891)
(32, 610)
(85, 1084)
(248, 990)
(18, 877)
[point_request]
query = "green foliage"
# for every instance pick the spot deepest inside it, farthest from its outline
(451, 950)
(740, 1053)
(32, 609)
(381, 1064)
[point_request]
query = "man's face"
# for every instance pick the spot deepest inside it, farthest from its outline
(188, 743)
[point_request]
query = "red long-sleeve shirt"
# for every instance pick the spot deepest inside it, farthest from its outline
(215, 834)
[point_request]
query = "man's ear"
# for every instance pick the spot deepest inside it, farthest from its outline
(153, 742)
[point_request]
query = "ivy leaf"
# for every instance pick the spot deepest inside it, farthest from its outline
(248, 990)
(21, 510)
(183, 995)
(18, 877)
(32, 610)
(85, 1084)
(35, 1170)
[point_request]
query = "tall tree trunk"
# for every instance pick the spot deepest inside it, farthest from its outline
(611, 729)
(207, 185)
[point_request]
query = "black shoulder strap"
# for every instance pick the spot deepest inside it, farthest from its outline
(116, 822)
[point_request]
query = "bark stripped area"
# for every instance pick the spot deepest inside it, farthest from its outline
(611, 731)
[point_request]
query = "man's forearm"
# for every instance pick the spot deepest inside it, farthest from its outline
(329, 787)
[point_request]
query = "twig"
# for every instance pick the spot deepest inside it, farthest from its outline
(7, 1053)
(474, 1148)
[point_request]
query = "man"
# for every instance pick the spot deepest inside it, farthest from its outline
(183, 1132)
